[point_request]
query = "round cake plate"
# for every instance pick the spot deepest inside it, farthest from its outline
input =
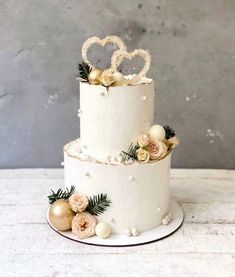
(119, 240)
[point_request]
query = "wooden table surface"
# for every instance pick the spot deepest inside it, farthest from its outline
(203, 246)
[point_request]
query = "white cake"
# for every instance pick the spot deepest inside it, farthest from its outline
(104, 117)
(111, 118)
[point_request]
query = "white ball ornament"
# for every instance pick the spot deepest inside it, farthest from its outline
(134, 232)
(128, 232)
(157, 132)
(165, 221)
(168, 218)
(103, 230)
(170, 215)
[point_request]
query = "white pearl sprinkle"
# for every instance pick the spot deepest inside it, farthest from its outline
(128, 232)
(144, 97)
(131, 178)
(165, 221)
(79, 112)
(134, 232)
(87, 174)
(62, 163)
(170, 215)
(114, 159)
(108, 158)
(167, 218)
(119, 159)
(158, 209)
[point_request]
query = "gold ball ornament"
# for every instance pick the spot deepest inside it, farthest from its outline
(103, 230)
(94, 76)
(61, 215)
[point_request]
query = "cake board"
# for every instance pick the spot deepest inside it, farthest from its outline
(122, 240)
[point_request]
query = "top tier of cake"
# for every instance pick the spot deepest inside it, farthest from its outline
(110, 119)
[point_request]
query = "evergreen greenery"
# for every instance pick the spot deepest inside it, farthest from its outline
(84, 70)
(131, 153)
(60, 194)
(98, 204)
(169, 132)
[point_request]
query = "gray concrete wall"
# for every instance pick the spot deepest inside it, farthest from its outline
(193, 48)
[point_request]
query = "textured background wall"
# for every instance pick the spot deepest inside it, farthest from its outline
(193, 48)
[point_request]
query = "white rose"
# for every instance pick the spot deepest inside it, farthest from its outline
(78, 202)
(107, 78)
(173, 142)
(143, 140)
(83, 225)
(143, 155)
(157, 150)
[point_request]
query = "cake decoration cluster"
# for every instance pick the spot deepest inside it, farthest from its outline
(70, 210)
(111, 76)
(153, 146)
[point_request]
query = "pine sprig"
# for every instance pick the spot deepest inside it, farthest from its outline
(131, 153)
(60, 194)
(169, 132)
(98, 204)
(84, 70)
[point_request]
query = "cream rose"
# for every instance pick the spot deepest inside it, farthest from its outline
(143, 155)
(143, 140)
(173, 142)
(107, 78)
(157, 150)
(78, 202)
(83, 225)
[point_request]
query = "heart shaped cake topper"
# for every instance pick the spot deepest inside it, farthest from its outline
(118, 57)
(95, 40)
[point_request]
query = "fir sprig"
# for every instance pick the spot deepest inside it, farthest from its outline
(98, 204)
(84, 70)
(169, 132)
(60, 194)
(131, 153)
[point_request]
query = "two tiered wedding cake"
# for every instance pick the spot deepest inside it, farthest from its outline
(121, 156)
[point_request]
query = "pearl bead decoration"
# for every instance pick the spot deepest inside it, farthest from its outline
(128, 233)
(134, 232)
(167, 219)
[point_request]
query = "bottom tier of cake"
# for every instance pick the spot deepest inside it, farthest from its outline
(140, 193)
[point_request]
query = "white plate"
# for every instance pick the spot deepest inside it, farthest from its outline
(122, 240)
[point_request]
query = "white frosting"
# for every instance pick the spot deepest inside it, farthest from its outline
(139, 202)
(110, 119)
(143, 80)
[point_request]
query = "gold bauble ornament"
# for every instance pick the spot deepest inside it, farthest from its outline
(61, 215)
(94, 76)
